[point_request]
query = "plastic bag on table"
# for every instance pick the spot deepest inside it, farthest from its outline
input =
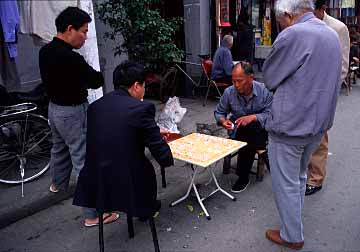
(171, 114)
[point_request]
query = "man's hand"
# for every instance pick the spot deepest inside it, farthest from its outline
(227, 124)
(245, 120)
(165, 133)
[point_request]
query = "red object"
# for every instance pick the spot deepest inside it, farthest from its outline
(173, 136)
(207, 65)
(224, 13)
(152, 78)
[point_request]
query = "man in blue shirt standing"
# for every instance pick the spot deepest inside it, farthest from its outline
(223, 62)
(249, 103)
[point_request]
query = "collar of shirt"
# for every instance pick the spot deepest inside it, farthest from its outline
(63, 43)
(305, 17)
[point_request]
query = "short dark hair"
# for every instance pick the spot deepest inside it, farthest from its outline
(127, 73)
(71, 16)
(246, 66)
(320, 3)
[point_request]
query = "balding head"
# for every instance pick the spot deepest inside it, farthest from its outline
(243, 77)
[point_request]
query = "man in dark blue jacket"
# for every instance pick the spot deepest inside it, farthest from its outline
(117, 175)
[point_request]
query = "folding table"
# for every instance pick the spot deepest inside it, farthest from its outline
(201, 150)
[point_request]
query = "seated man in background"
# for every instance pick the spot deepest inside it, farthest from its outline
(223, 62)
(117, 175)
(249, 103)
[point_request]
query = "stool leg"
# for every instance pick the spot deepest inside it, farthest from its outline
(163, 178)
(101, 231)
(260, 169)
(227, 164)
(130, 226)
(154, 234)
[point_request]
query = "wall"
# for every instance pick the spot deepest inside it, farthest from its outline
(197, 33)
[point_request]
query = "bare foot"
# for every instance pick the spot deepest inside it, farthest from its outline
(108, 218)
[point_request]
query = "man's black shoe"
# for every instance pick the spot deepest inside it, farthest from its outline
(312, 189)
(240, 186)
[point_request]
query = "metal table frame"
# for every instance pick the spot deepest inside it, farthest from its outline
(193, 186)
(194, 172)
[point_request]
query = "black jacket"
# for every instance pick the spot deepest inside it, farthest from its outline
(117, 175)
(66, 74)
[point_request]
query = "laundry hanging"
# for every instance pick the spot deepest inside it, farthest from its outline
(9, 25)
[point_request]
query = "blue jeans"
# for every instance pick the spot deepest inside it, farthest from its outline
(288, 173)
(68, 128)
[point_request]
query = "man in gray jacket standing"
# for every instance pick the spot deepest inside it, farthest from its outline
(306, 89)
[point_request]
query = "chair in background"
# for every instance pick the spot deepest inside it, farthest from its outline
(207, 66)
(162, 86)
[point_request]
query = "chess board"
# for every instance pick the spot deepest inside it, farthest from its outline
(203, 150)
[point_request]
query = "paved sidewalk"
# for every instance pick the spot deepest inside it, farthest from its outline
(37, 196)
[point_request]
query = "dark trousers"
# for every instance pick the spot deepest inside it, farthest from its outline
(256, 138)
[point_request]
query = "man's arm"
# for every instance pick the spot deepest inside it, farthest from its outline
(263, 115)
(153, 139)
(281, 62)
(345, 51)
(93, 78)
(223, 109)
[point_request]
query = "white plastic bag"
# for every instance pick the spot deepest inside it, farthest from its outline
(172, 114)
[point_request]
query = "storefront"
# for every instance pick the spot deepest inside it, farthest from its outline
(261, 17)
(348, 11)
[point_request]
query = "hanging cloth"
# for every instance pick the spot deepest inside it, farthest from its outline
(9, 24)
(90, 49)
(9, 17)
(348, 4)
(38, 17)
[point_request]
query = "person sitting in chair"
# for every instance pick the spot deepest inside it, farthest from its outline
(117, 175)
(223, 62)
(249, 103)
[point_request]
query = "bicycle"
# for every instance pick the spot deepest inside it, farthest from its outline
(25, 144)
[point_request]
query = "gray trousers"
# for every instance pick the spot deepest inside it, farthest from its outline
(68, 127)
(288, 173)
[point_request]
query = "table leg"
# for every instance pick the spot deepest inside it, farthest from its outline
(201, 202)
(189, 189)
(219, 188)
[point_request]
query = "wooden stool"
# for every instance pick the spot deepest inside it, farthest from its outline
(260, 170)
(130, 231)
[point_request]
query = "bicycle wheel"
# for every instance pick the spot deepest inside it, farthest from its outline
(24, 139)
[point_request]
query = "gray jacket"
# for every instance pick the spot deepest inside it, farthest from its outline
(303, 69)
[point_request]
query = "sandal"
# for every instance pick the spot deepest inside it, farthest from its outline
(109, 218)
(53, 189)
